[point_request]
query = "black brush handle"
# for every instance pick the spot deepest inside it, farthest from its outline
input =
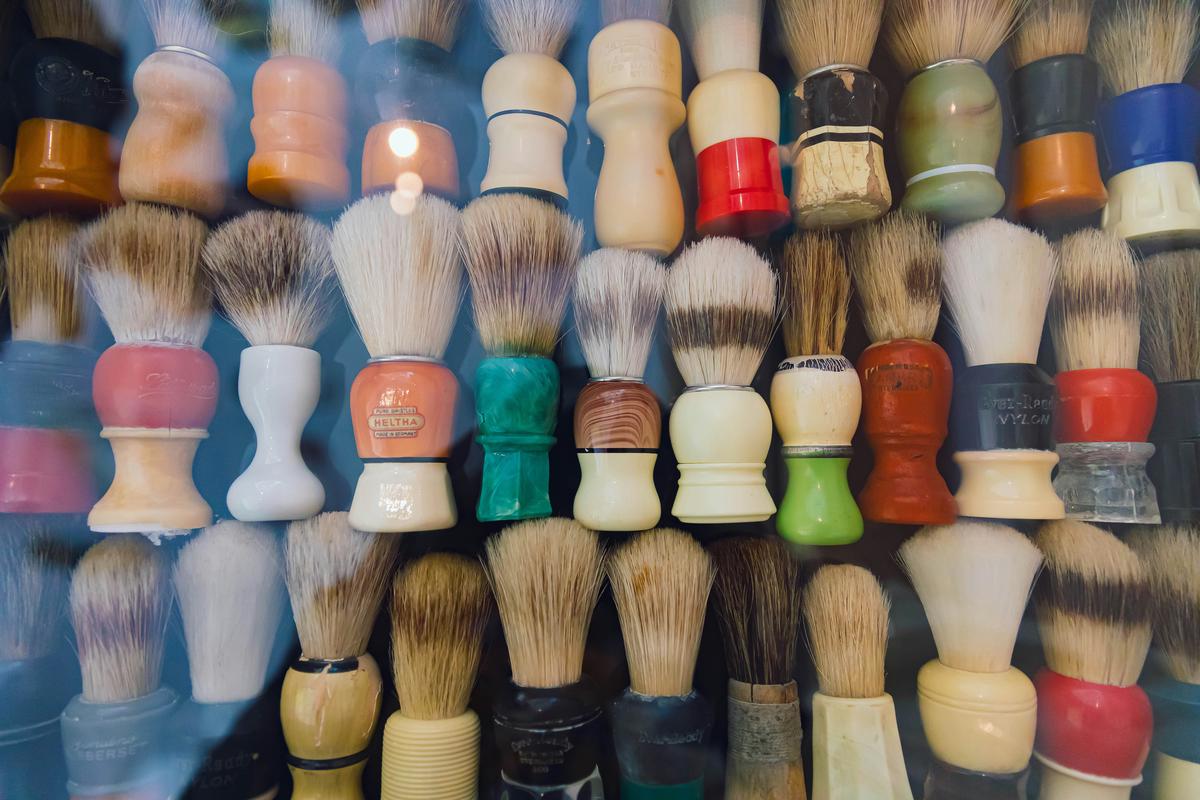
(1175, 467)
(660, 740)
(946, 782)
(1052, 95)
(68, 80)
(1003, 407)
(549, 737)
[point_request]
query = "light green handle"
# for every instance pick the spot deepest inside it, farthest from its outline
(818, 508)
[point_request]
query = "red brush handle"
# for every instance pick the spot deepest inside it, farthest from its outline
(741, 189)
(1104, 405)
(155, 386)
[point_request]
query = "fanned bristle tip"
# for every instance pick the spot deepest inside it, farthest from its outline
(897, 268)
(271, 271)
(402, 274)
(816, 294)
(143, 268)
(1095, 313)
(522, 255)
(546, 575)
(919, 33)
(723, 34)
(1170, 308)
(120, 603)
(307, 29)
(336, 577)
(440, 609)
(721, 311)
(847, 615)
(531, 26)
(997, 279)
(1093, 604)
(229, 581)
(43, 277)
(654, 10)
(1141, 43)
(660, 582)
(89, 21)
(433, 21)
(974, 580)
(618, 294)
(194, 24)
(758, 604)
(1051, 28)
(34, 572)
(819, 33)
(1171, 557)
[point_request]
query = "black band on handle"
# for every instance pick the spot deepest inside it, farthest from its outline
(660, 740)
(1003, 407)
(411, 79)
(549, 737)
(1175, 467)
(947, 782)
(845, 103)
(8, 118)
(229, 749)
(68, 80)
(1052, 95)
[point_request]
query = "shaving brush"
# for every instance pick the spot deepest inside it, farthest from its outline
(1054, 90)
(635, 86)
(815, 395)
(1094, 612)
(720, 303)
(528, 97)
(907, 380)
(733, 121)
(336, 577)
(838, 106)
(46, 417)
(856, 743)
(299, 123)
(174, 150)
(68, 84)
(1105, 406)
(1171, 557)
(441, 605)
(402, 402)
(155, 390)
(229, 582)
(547, 575)
(978, 711)
(997, 279)
(521, 256)
(120, 602)
(757, 602)
(1171, 349)
(948, 122)
(270, 271)
(409, 92)
(618, 424)
(1149, 125)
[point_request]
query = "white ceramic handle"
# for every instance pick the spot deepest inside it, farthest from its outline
(616, 492)
(1175, 779)
(856, 750)
(1063, 783)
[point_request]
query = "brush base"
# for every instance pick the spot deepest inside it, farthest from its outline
(152, 489)
(764, 757)
(818, 507)
(1063, 783)
(431, 167)
(1156, 205)
(618, 427)
(403, 497)
(1107, 482)
(856, 750)
(659, 743)
(430, 758)
(118, 748)
(1175, 779)
(1103, 405)
(1176, 720)
(226, 751)
(1175, 467)
(548, 738)
(1008, 484)
(946, 782)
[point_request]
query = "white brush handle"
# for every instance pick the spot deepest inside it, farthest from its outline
(1064, 783)
(1175, 779)
(816, 401)
(616, 492)
(856, 750)
(1008, 484)
(1154, 201)
(279, 386)
(430, 758)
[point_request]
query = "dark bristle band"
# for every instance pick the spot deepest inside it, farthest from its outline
(1117, 603)
(713, 327)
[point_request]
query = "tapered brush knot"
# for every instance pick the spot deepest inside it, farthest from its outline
(1095, 312)
(1171, 556)
(847, 615)
(1051, 28)
(194, 24)
(1145, 42)
(306, 28)
(618, 294)
(923, 32)
(531, 26)
(34, 571)
(434, 21)
(1170, 308)
(897, 267)
(654, 10)
(723, 34)
(818, 33)
(816, 294)
(42, 274)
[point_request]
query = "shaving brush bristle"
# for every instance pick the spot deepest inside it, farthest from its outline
(660, 582)
(530, 26)
(1095, 315)
(546, 575)
(618, 294)
(270, 271)
(120, 602)
(1170, 307)
(87, 21)
(229, 581)
(816, 294)
(143, 267)
(1093, 604)
(1051, 28)
(1142, 43)
(336, 577)
(43, 278)
(819, 33)
(522, 255)
(997, 278)
(34, 572)
(433, 21)
(923, 32)
(897, 268)
(409, 263)
(723, 34)
(654, 10)
(721, 301)
(441, 605)
(758, 604)
(847, 615)
(194, 24)
(974, 579)
(1171, 557)
(305, 28)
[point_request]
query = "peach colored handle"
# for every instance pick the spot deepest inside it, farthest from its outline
(397, 150)
(403, 409)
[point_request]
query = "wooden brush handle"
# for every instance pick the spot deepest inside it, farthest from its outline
(764, 758)
(152, 488)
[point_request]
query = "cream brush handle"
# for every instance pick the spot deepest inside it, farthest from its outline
(856, 750)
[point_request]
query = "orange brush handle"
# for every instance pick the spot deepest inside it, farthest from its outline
(403, 409)
(1058, 176)
(62, 167)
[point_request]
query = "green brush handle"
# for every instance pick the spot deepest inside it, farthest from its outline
(818, 508)
(682, 791)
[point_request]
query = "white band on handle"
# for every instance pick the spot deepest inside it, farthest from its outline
(950, 169)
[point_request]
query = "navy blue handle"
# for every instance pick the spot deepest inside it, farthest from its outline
(1151, 125)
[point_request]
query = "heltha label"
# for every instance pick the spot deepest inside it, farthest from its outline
(396, 422)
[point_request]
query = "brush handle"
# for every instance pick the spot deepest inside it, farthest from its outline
(635, 82)
(946, 782)
(721, 437)
(226, 751)
(764, 761)
(618, 427)
(279, 386)
(1175, 468)
(329, 710)
(403, 414)
(907, 386)
(431, 758)
(1103, 405)
(174, 150)
(949, 128)
(528, 99)
(660, 744)
(118, 749)
(300, 139)
(1177, 748)
(1107, 482)
(979, 722)
(1175, 778)
(516, 410)
(548, 737)
(838, 175)
(856, 749)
